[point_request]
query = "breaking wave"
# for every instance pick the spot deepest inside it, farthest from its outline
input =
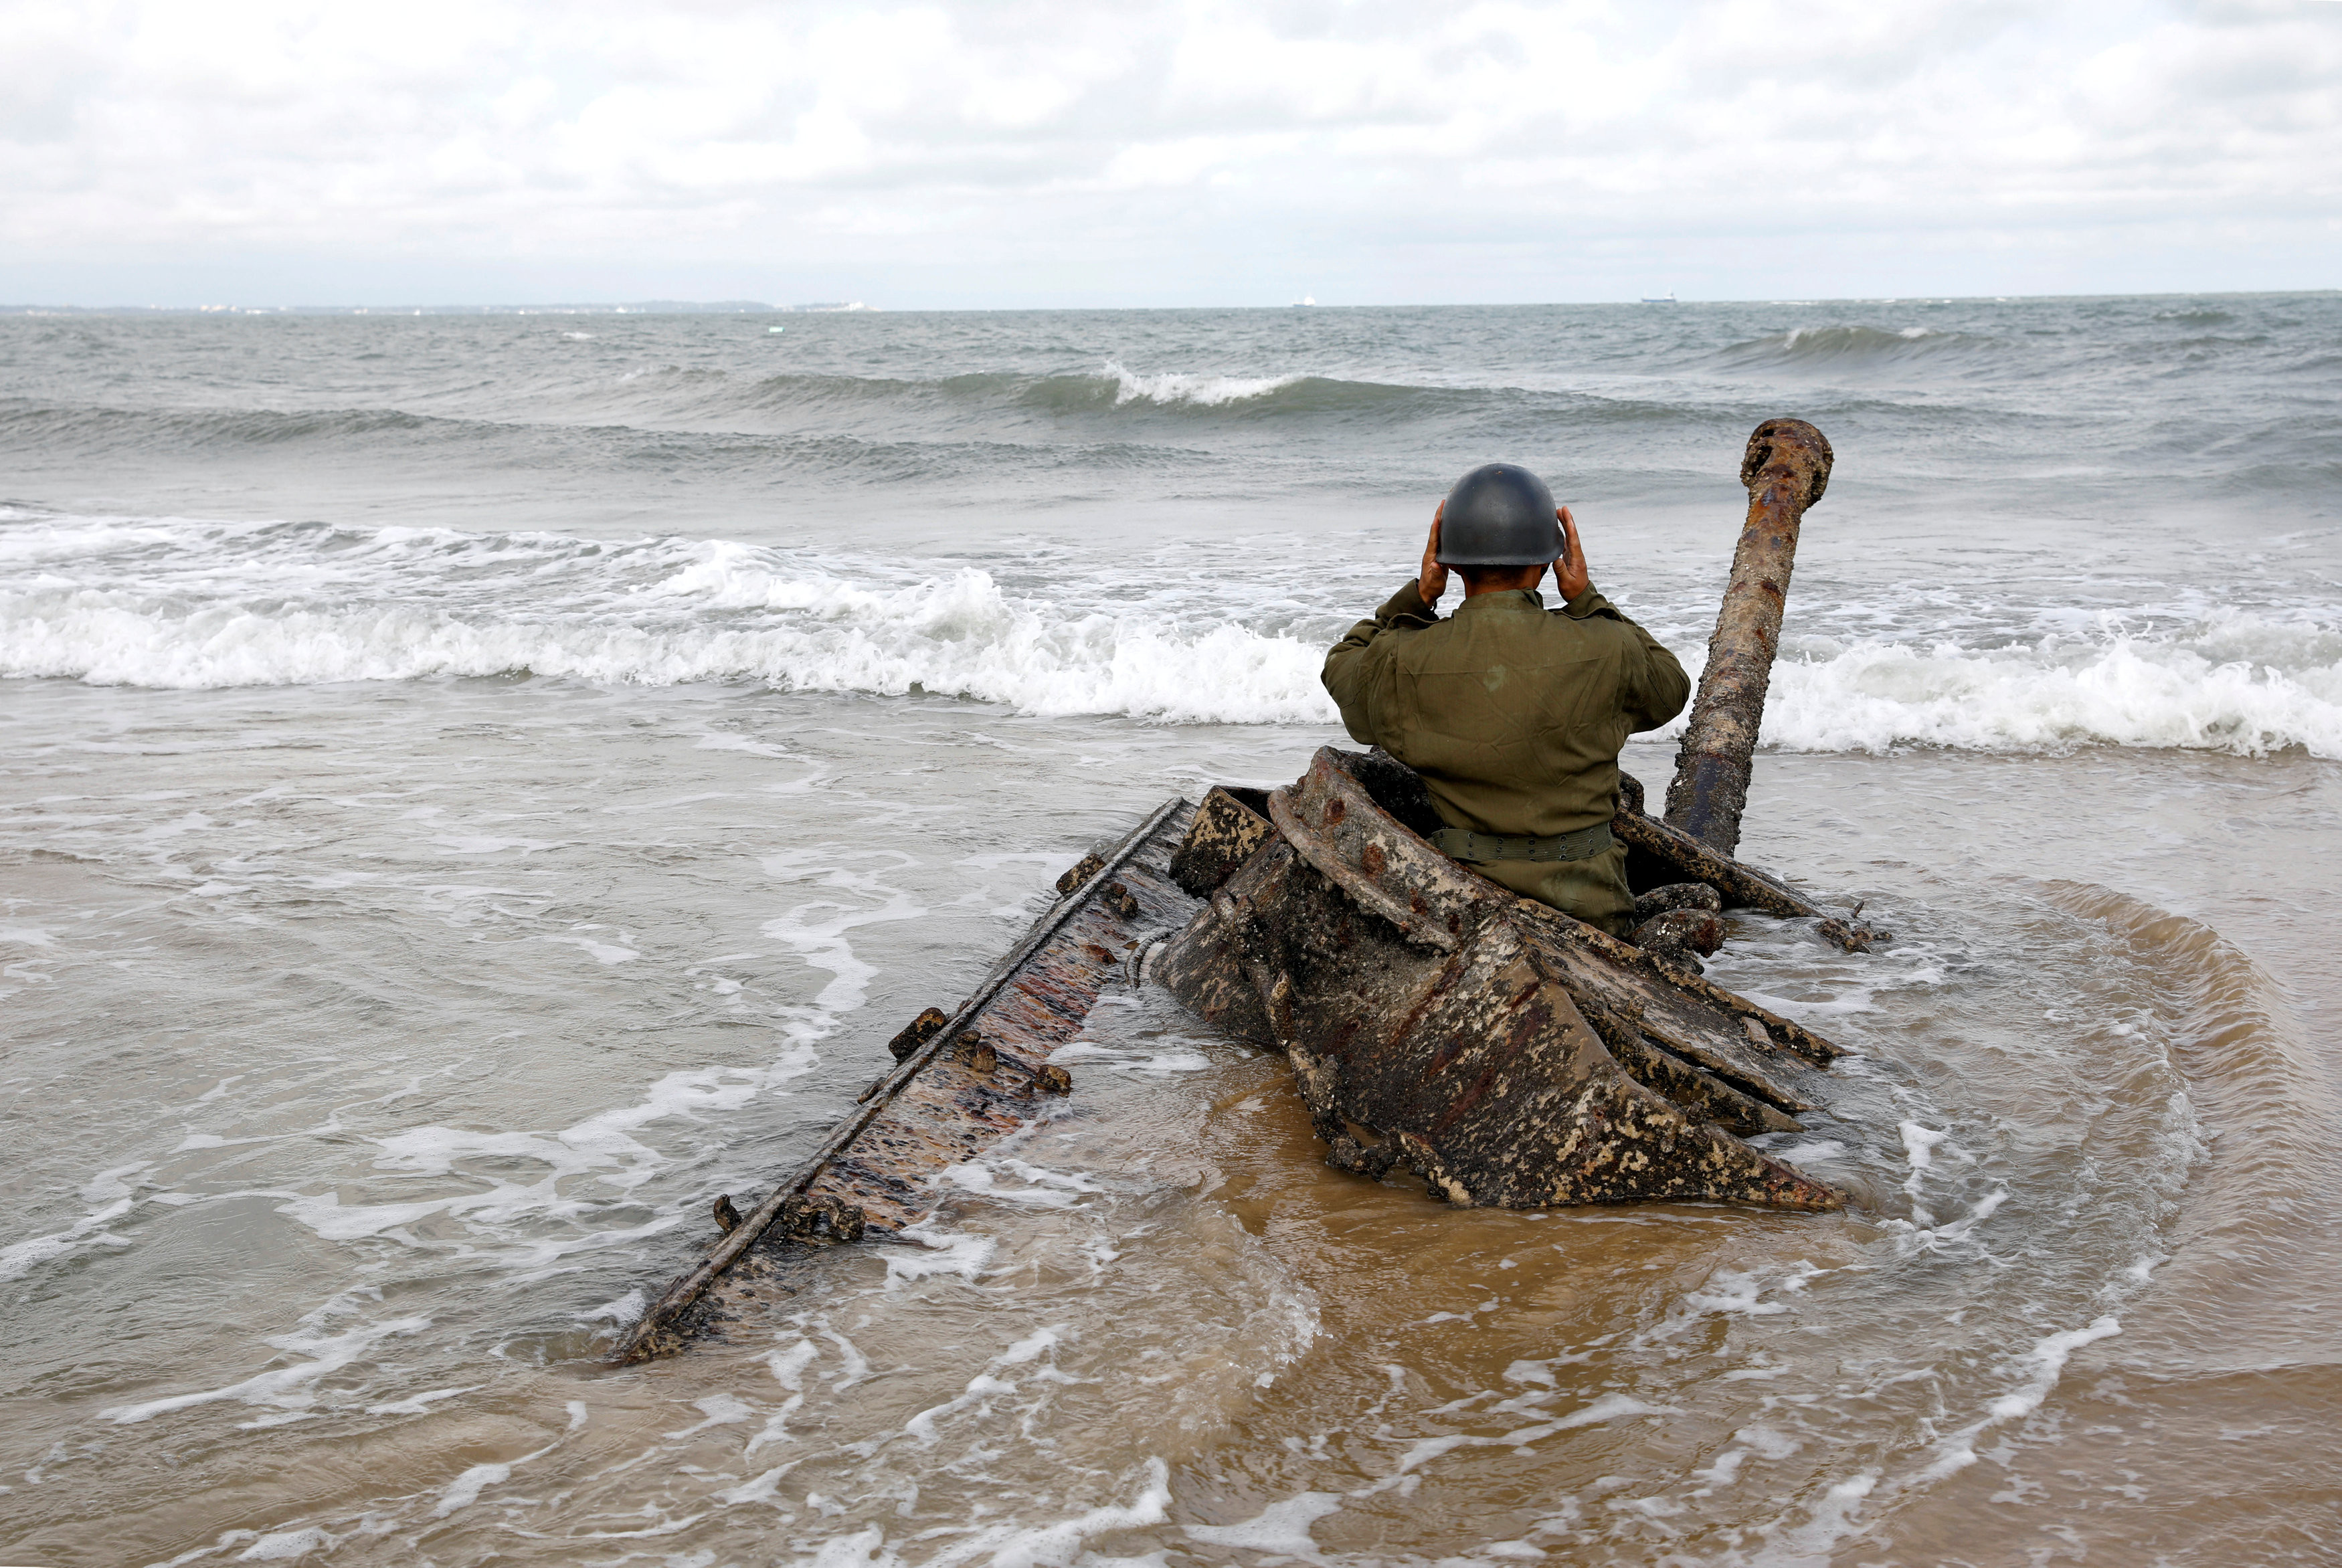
(1840, 348)
(1210, 391)
(185, 604)
(2235, 684)
(1113, 389)
(874, 426)
(191, 605)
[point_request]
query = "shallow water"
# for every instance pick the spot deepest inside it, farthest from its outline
(373, 1044)
(491, 994)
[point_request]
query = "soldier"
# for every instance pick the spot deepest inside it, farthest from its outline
(1512, 713)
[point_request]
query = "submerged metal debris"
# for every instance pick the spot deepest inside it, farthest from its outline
(959, 1081)
(1505, 1053)
(1509, 1055)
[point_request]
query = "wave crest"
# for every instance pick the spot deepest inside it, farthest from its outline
(1119, 390)
(213, 606)
(1206, 391)
(1849, 348)
(173, 604)
(2217, 688)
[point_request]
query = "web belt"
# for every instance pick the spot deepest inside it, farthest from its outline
(1479, 848)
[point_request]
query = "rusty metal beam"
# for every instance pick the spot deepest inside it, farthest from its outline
(1785, 469)
(652, 1333)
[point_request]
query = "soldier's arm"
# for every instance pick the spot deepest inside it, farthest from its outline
(1653, 685)
(1657, 686)
(1351, 665)
(1652, 681)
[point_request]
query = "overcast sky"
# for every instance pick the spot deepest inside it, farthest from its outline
(1162, 152)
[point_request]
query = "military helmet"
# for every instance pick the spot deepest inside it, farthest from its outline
(1499, 514)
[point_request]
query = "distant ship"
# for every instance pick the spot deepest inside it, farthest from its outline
(1666, 298)
(1304, 299)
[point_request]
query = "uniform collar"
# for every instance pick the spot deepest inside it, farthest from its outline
(1518, 599)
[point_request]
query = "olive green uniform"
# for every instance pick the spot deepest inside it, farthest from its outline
(1514, 715)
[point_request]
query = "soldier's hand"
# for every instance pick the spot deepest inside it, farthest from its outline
(1431, 582)
(1570, 576)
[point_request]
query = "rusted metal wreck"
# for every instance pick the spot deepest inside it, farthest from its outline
(1504, 1053)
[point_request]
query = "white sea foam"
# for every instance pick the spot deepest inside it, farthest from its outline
(1026, 1184)
(21, 1257)
(1174, 386)
(816, 930)
(2040, 1368)
(288, 1545)
(1010, 1545)
(1610, 1407)
(1919, 1146)
(1838, 1512)
(181, 605)
(462, 1172)
(947, 1253)
(205, 605)
(1280, 1527)
(467, 1488)
(289, 1388)
(2234, 683)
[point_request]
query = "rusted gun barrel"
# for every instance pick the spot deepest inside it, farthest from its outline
(1785, 470)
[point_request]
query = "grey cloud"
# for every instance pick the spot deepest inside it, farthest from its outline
(1179, 149)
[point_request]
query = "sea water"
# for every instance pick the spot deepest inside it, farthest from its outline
(478, 787)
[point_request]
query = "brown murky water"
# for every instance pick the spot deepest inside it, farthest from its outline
(368, 1052)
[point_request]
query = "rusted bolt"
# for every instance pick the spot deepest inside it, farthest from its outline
(979, 1055)
(1118, 898)
(1335, 810)
(728, 1218)
(1675, 934)
(1080, 872)
(1372, 859)
(1051, 1079)
(918, 1033)
(807, 1218)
